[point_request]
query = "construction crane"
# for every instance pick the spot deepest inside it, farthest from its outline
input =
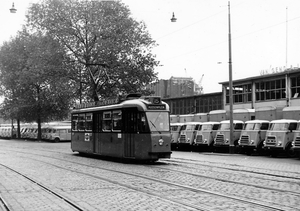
(199, 87)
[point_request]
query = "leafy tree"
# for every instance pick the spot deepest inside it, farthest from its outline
(112, 50)
(34, 79)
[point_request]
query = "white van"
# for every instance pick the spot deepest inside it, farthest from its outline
(59, 133)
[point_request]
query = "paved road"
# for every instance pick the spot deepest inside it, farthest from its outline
(95, 184)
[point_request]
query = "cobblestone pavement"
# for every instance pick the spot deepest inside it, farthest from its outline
(87, 182)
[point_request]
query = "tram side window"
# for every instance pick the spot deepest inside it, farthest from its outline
(81, 121)
(117, 120)
(74, 122)
(106, 123)
(88, 121)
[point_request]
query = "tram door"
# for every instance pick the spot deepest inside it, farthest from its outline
(130, 130)
(96, 134)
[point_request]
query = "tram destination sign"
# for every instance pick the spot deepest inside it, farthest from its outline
(156, 107)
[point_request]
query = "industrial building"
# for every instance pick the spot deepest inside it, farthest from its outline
(279, 89)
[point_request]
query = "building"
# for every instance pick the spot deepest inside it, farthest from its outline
(279, 89)
(203, 103)
(174, 87)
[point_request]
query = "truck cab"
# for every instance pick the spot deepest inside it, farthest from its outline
(280, 135)
(222, 138)
(253, 135)
(296, 141)
(206, 134)
(187, 134)
(175, 132)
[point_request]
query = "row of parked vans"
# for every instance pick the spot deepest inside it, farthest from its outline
(274, 136)
(52, 131)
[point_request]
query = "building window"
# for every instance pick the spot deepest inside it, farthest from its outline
(240, 94)
(295, 87)
(270, 90)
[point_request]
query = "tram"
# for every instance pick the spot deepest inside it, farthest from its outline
(136, 128)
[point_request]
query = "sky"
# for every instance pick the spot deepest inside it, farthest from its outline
(265, 36)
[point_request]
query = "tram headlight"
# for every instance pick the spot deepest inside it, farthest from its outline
(160, 142)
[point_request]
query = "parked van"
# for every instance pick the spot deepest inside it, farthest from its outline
(206, 134)
(59, 133)
(222, 138)
(253, 136)
(280, 136)
(187, 134)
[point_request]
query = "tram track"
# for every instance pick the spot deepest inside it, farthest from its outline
(48, 190)
(180, 161)
(260, 205)
(177, 161)
(3, 204)
(234, 182)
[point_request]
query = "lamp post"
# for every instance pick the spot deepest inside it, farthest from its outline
(12, 10)
(231, 141)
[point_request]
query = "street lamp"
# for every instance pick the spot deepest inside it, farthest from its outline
(173, 19)
(13, 9)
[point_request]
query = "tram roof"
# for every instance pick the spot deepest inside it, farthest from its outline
(141, 104)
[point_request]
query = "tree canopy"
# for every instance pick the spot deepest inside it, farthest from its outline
(72, 50)
(112, 50)
(34, 79)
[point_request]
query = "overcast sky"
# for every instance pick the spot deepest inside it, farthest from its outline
(265, 35)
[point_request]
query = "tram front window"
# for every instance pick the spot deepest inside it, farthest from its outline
(158, 121)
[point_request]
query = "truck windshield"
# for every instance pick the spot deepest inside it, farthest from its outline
(252, 126)
(279, 126)
(207, 127)
(224, 126)
(158, 121)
